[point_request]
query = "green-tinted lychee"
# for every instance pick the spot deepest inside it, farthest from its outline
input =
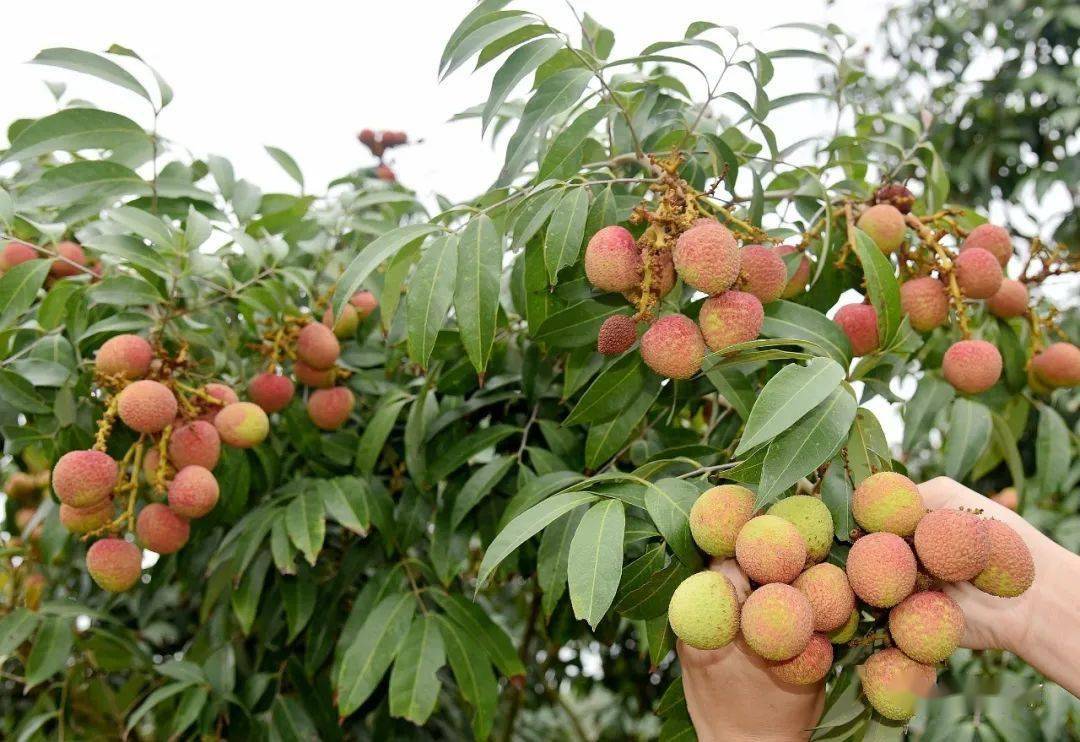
(927, 626)
(889, 502)
(717, 516)
(953, 545)
(809, 666)
(831, 597)
(894, 683)
(770, 549)
(777, 621)
(704, 610)
(1010, 569)
(881, 569)
(812, 518)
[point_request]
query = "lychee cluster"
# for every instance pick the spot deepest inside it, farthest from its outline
(801, 604)
(69, 258)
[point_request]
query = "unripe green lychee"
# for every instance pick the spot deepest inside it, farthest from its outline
(894, 683)
(777, 621)
(161, 530)
(317, 346)
(146, 406)
(330, 408)
(888, 501)
(128, 356)
(196, 443)
(718, 515)
(809, 666)
(73, 257)
(193, 492)
(729, 318)
(365, 303)
(272, 392)
(831, 597)
(346, 324)
(993, 239)
(1010, 569)
(704, 611)
(972, 366)
(927, 626)
(1011, 300)
(673, 347)
(84, 520)
(613, 260)
(242, 424)
(925, 303)
(885, 226)
(796, 280)
(897, 195)
(770, 549)
(707, 257)
(952, 545)
(616, 335)
(114, 564)
(84, 478)
(846, 633)
(978, 273)
(763, 273)
(812, 518)
(16, 253)
(313, 377)
(859, 323)
(1058, 365)
(881, 569)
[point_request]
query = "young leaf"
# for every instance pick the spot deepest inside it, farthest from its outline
(595, 561)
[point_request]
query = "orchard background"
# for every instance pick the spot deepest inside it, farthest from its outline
(428, 568)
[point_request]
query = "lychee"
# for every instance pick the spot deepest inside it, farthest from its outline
(128, 356)
(673, 347)
(193, 492)
(925, 303)
(195, 443)
(114, 564)
(707, 257)
(346, 324)
(272, 392)
(242, 424)
(312, 377)
(927, 626)
(763, 273)
(365, 303)
(993, 239)
(1058, 365)
(84, 478)
(718, 515)
(147, 406)
(729, 318)
(770, 549)
(777, 621)
(161, 530)
(888, 501)
(881, 569)
(953, 545)
(330, 408)
(1010, 569)
(813, 520)
(73, 258)
(847, 632)
(971, 366)
(809, 666)
(897, 195)
(859, 323)
(616, 335)
(317, 346)
(704, 611)
(1011, 300)
(884, 224)
(16, 253)
(84, 520)
(20, 486)
(894, 683)
(613, 260)
(831, 597)
(224, 394)
(796, 283)
(978, 273)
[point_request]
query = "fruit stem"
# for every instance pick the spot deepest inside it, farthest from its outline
(101, 440)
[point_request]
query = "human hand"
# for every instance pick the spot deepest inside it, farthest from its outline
(731, 695)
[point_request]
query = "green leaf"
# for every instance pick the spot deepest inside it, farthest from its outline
(487, 29)
(124, 291)
(867, 448)
(931, 397)
(464, 449)
(345, 500)
(735, 388)
(520, 63)
(20, 394)
(378, 250)
(92, 64)
(378, 430)
(74, 129)
(564, 155)
(305, 522)
(790, 394)
(477, 623)
(15, 628)
(578, 324)
(478, 486)
(145, 224)
(806, 445)
(553, 557)
(51, 649)
(836, 491)
(291, 722)
(288, 164)
(373, 649)
(414, 681)
(668, 503)
(1005, 442)
(650, 594)
(1051, 450)
(298, 596)
(472, 673)
(611, 392)
(430, 294)
(595, 561)
(159, 696)
(476, 292)
(881, 285)
(19, 287)
(606, 439)
(565, 232)
(785, 319)
(99, 180)
(969, 434)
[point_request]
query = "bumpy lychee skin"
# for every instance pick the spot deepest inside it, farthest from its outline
(718, 515)
(196, 443)
(16, 253)
(673, 347)
(993, 239)
(777, 622)
(313, 377)
(927, 626)
(1011, 300)
(972, 366)
(272, 392)
(75, 257)
(812, 518)
(859, 323)
(729, 318)
(365, 303)
(242, 424)
(128, 356)
(146, 406)
(616, 335)
(885, 226)
(317, 347)
(952, 545)
(831, 597)
(925, 303)
(329, 409)
(1010, 569)
(613, 260)
(763, 273)
(84, 520)
(193, 492)
(978, 273)
(707, 257)
(663, 271)
(894, 683)
(704, 611)
(809, 666)
(846, 633)
(84, 478)
(346, 324)
(161, 530)
(881, 569)
(796, 282)
(897, 195)
(770, 549)
(114, 564)
(1058, 365)
(889, 502)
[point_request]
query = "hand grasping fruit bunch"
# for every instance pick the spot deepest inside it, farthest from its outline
(885, 599)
